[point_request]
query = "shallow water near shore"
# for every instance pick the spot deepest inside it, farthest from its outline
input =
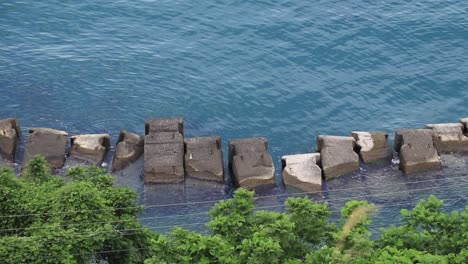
(285, 70)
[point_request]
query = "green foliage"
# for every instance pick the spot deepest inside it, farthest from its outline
(46, 220)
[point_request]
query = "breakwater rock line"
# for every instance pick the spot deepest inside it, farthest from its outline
(170, 158)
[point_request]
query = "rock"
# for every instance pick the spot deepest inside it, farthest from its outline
(9, 136)
(417, 151)
(164, 125)
(129, 148)
(91, 148)
(373, 146)
(250, 162)
(449, 137)
(301, 171)
(204, 158)
(50, 143)
(164, 151)
(337, 155)
(464, 121)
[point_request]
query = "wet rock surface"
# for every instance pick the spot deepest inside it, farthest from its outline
(373, 146)
(417, 151)
(302, 172)
(9, 136)
(337, 155)
(91, 148)
(250, 163)
(50, 143)
(129, 148)
(204, 158)
(449, 137)
(164, 151)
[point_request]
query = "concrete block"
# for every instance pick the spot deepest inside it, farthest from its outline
(91, 148)
(164, 125)
(302, 172)
(449, 137)
(373, 146)
(129, 148)
(9, 136)
(50, 143)
(337, 155)
(204, 158)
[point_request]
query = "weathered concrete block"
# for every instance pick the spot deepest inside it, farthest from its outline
(129, 148)
(337, 155)
(204, 158)
(464, 121)
(301, 171)
(373, 146)
(9, 135)
(417, 151)
(449, 137)
(250, 163)
(90, 147)
(164, 125)
(50, 143)
(164, 151)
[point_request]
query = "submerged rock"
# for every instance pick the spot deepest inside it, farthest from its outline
(164, 151)
(91, 148)
(9, 136)
(50, 143)
(373, 146)
(449, 137)
(204, 158)
(301, 171)
(417, 151)
(250, 162)
(129, 148)
(337, 155)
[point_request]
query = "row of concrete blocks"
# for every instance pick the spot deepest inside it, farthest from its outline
(169, 157)
(52, 144)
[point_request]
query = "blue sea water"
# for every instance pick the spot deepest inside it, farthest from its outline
(285, 70)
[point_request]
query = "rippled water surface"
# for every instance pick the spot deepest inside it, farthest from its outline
(286, 70)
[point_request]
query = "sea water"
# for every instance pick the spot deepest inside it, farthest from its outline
(285, 70)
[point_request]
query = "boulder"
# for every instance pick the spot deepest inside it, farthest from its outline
(449, 137)
(164, 151)
(250, 162)
(337, 155)
(464, 121)
(129, 148)
(373, 146)
(9, 136)
(91, 148)
(417, 151)
(302, 172)
(204, 158)
(50, 143)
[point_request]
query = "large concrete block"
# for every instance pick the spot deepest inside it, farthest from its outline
(373, 146)
(9, 135)
(301, 171)
(164, 125)
(129, 148)
(250, 163)
(417, 151)
(449, 137)
(164, 151)
(464, 121)
(91, 148)
(50, 143)
(204, 158)
(337, 155)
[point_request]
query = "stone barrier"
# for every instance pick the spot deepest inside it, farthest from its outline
(91, 148)
(250, 163)
(464, 121)
(416, 150)
(373, 146)
(9, 135)
(164, 151)
(204, 158)
(449, 137)
(301, 171)
(50, 143)
(337, 155)
(129, 148)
